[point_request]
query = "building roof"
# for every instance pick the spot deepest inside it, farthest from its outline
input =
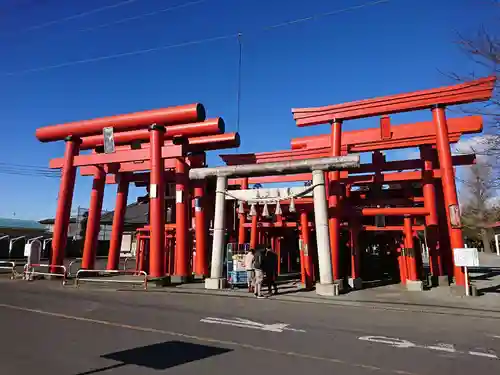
(20, 224)
(136, 214)
(52, 220)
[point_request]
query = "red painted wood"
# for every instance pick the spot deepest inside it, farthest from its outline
(405, 134)
(208, 127)
(477, 90)
(130, 121)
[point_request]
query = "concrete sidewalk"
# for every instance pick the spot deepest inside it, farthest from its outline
(394, 297)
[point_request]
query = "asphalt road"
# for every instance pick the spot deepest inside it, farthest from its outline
(48, 329)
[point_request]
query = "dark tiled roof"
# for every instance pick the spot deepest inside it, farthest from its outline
(72, 220)
(136, 214)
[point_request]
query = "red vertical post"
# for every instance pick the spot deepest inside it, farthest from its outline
(242, 217)
(254, 230)
(157, 204)
(304, 225)
(431, 220)
(142, 254)
(410, 256)
(65, 197)
(449, 187)
(138, 252)
(201, 266)
(279, 219)
(354, 229)
(334, 201)
(94, 219)
(301, 259)
(444, 246)
(181, 219)
(115, 243)
(355, 256)
(403, 274)
(278, 253)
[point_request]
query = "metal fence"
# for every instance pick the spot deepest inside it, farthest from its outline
(78, 231)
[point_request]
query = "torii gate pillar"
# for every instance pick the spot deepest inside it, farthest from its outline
(157, 204)
(66, 189)
(449, 187)
(216, 280)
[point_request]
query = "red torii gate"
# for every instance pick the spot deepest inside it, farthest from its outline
(434, 99)
(437, 133)
(182, 124)
(378, 165)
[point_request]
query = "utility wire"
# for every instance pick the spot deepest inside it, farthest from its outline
(141, 16)
(28, 170)
(119, 55)
(238, 93)
(70, 18)
(189, 43)
(325, 14)
(62, 36)
(26, 173)
(35, 167)
(129, 19)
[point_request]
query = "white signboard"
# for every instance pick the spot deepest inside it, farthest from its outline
(109, 140)
(251, 195)
(467, 257)
(33, 251)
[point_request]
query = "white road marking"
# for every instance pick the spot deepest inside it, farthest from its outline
(245, 323)
(396, 343)
(442, 347)
(293, 329)
(482, 354)
(209, 340)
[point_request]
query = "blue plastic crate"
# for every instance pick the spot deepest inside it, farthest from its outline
(238, 278)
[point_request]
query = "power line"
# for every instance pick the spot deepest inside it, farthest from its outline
(190, 43)
(325, 14)
(28, 170)
(141, 16)
(70, 18)
(35, 167)
(71, 33)
(238, 94)
(28, 174)
(119, 55)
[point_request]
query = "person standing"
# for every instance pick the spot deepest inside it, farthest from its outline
(271, 270)
(258, 264)
(249, 257)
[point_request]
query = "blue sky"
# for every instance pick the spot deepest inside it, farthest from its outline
(388, 48)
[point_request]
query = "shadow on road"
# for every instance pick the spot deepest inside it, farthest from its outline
(159, 356)
(484, 276)
(487, 275)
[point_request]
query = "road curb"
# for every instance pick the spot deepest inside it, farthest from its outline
(382, 305)
(367, 304)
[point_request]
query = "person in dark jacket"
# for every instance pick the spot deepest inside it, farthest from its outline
(270, 268)
(258, 266)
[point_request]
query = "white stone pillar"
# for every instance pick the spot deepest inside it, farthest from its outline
(325, 285)
(217, 279)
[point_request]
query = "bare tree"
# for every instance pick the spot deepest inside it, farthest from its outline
(479, 208)
(484, 50)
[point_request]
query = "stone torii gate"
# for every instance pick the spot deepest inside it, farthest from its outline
(318, 167)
